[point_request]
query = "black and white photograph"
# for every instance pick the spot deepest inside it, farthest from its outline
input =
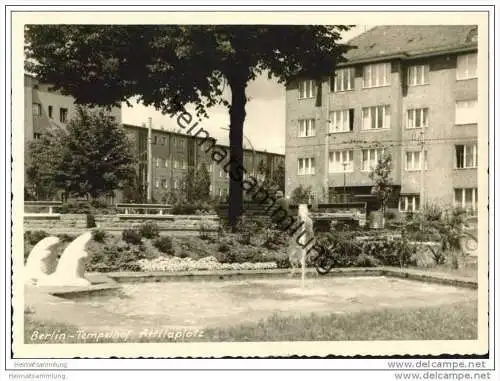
(220, 185)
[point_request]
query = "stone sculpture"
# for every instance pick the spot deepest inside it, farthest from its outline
(41, 260)
(71, 267)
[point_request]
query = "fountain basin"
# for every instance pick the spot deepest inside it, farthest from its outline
(136, 307)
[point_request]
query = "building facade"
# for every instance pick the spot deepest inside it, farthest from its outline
(44, 108)
(410, 91)
(172, 153)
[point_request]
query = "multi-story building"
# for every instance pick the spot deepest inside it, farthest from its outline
(407, 90)
(172, 153)
(44, 107)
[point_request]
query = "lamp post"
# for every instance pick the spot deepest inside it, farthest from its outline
(345, 164)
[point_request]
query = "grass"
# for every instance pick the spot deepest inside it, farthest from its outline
(448, 322)
(469, 271)
(453, 322)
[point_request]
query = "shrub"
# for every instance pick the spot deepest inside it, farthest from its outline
(432, 212)
(90, 221)
(341, 247)
(197, 207)
(283, 263)
(164, 244)
(365, 260)
(99, 235)
(149, 230)
(77, 207)
(274, 238)
(224, 248)
(110, 258)
(33, 237)
(227, 257)
(66, 237)
(131, 236)
(390, 215)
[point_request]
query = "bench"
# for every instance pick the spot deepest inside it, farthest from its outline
(130, 210)
(48, 204)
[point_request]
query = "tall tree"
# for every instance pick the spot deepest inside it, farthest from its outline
(43, 158)
(276, 180)
(96, 156)
(171, 66)
(202, 183)
(381, 177)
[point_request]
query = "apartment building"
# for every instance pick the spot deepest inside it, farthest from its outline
(44, 108)
(407, 90)
(173, 153)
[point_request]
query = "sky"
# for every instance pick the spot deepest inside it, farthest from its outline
(264, 126)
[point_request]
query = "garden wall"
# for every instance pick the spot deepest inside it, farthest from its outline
(74, 223)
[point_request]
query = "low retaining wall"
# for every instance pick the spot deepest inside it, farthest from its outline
(75, 223)
(404, 273)
(49, 222)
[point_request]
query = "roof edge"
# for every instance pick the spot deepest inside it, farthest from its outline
(409, 56)
(195, 137)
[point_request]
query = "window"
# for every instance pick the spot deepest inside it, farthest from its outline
(307, 89)
(184, 164)
(343, 79)
(37, 136)
(466, 112)
(175, 163)
(166, 163)
(466, 156)
(370, 158)
(157, 183)
(413, 161)
(306, 166)
(376, 117)
(163, 140)
(467, 66)
(466, 198)
(417, 118)
(307, 127)
(342, 120)
(63, 115)
(377, 75)
(409, 203)
(176, 184)
(223, 173)
(157, 162)
(37, 109)
(418, 75)
(164, 183)
(51, 110)
(155, 139)
(341, 161)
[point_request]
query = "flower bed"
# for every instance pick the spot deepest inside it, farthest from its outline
(175, 264)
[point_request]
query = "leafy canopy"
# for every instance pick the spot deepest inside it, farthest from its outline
(96, 155)
(170, 66)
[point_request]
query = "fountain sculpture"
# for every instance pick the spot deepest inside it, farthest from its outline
(71, 266)
(41, 260)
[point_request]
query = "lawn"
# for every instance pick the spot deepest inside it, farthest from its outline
(452, 322)
(447, 322)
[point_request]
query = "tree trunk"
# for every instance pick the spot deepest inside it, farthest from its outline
(237, 117)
